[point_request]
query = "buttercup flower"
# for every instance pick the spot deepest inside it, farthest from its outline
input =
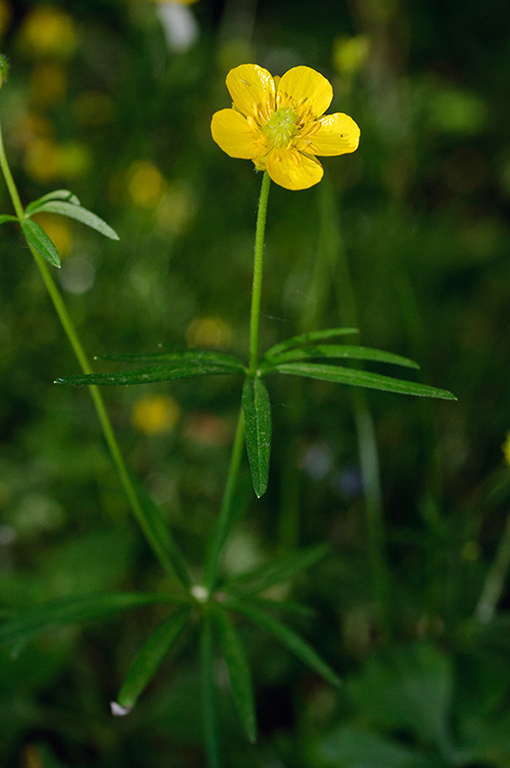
(278, 123)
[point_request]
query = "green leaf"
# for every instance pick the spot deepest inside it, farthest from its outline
(161, 539)
(257, 421)
(330, 351)
(272, 605)
(41, 618)
(308, 338)
(57, 194)
(73, 211)
(179, 370)
(150, 657)
(209, 705)
(38, 239)
(6, 217)
(290, 639)
(229, 362)
(239, 670)
(276, 572)
(359, 378)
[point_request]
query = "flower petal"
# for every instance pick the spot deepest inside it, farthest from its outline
(335, 135)
(234, 135)
(305, 88)
(253, 91)
(293, 170)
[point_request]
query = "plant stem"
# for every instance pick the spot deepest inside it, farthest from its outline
(257, 274)
(74, 340)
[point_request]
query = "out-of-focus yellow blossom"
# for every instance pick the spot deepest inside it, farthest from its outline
(48, 31)
(155, 414)
(176, 209)
(75, 160)
(46, 161)
(146, 184)
(278, 123)
(350, 53)
(209, 332)
(506, 448)
(5, 16)
(58, 229)
(48, 84)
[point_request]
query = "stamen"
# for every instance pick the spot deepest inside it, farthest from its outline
(281, 128)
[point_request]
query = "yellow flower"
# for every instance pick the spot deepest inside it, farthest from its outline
(155, 414)
(278, 123)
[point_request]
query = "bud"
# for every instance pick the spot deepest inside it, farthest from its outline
(4, 69)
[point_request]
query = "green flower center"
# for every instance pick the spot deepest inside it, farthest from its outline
(281, 127)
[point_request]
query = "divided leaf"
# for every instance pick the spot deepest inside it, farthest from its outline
(330, 351)
(150, 657)
(38, 239)
(257, 420)
(308, 338)
(239, 671)
(290, 639)
(74, 211)
(359, 378)
(41, 618)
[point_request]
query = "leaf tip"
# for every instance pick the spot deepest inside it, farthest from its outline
(118, 710)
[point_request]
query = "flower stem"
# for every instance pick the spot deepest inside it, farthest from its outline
(257, 274)
(97, 399)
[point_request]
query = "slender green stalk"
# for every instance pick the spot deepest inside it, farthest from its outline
(495, 579)
(85, 366)
(257, 274)
(209, 712)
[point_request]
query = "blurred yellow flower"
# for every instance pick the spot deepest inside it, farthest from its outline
(506, 448)
(277, 123)
(48, 31)
(155, 414)
(146, 184)
(48, 83)
(209, 332)
(350, 53)
(45, 160)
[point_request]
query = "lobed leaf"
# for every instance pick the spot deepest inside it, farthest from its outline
(150, 657)
(239, 671)
(290, 639)
(359, 378)
(73, 211)
(38, 239)
(330, 351)
(57, 194)
(257, 421)
(184, 369)
(41, 618)
(308, 338)
(277, 571)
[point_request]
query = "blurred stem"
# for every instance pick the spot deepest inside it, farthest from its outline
(495, 579)
(74, 340)
(334, 251)
(224, 522)
(257, 274)
(209, 712)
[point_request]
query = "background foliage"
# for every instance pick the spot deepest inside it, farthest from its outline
(99, 100)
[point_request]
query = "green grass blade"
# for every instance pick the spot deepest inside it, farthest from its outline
(57, 194)
(38, 239)
(73, 211)
(229, 362)
(257, 421)
(337, 352)
(308, 338)
(42, 618)
(290, 639)
(359, 378)
(276, 572)
(239, 671)
(181, 370)
(150, 657)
